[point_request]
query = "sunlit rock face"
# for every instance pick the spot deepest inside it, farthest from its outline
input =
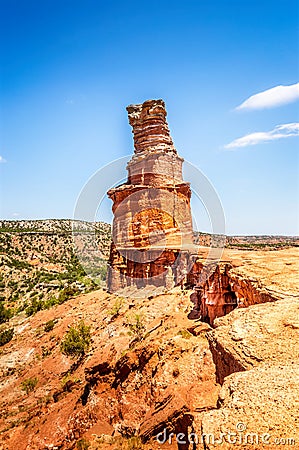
(152, 226)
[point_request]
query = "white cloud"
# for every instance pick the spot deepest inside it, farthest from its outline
(276, 96)
(2, 160)
(280, 131)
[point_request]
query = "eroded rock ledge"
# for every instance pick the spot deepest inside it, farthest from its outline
(223, 290)
(262, 333)
(256, 354)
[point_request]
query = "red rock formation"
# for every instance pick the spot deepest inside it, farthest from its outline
(213, 296)
(255, 351)
(152, 227)
(219, 289)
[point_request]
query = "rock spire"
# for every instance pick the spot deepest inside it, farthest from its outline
(152, 226)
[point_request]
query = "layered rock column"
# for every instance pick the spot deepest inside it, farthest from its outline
(152, 226)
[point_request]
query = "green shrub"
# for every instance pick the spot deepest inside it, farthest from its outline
(82, 444)
(185, 334)
(52, 301)
(114, 311)
(29, 384)
(69, 379)
(19, 264)
(49, 326)
(77, 341)
(66, 294)
(36, 305)
(6, 336)
(5, 313)
(137, 327)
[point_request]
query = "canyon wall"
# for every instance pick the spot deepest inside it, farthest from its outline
(218, 290)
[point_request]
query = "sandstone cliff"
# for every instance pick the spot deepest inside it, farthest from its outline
(256, 354)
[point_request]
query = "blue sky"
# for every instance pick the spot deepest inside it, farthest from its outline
(69, 69)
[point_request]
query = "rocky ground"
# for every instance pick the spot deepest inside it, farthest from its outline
(135, 379)
(256, 353)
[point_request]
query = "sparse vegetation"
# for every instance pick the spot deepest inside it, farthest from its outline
(68, 379)
(67, 293)
(134, 443)
(44, 400)
(29, 385)
(121, 442)
(45, 351)
(39, 267)
(77, 341)
(36, 305)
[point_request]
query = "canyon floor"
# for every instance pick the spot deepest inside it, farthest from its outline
(150, 371)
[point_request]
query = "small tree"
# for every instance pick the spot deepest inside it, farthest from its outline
(5, 313)
(6, 336)
(77, 341)
(49, 325)
(29, 385)
(82, 444)
(36, 305)
(137, 326)
(114, 311)
(67, 293)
